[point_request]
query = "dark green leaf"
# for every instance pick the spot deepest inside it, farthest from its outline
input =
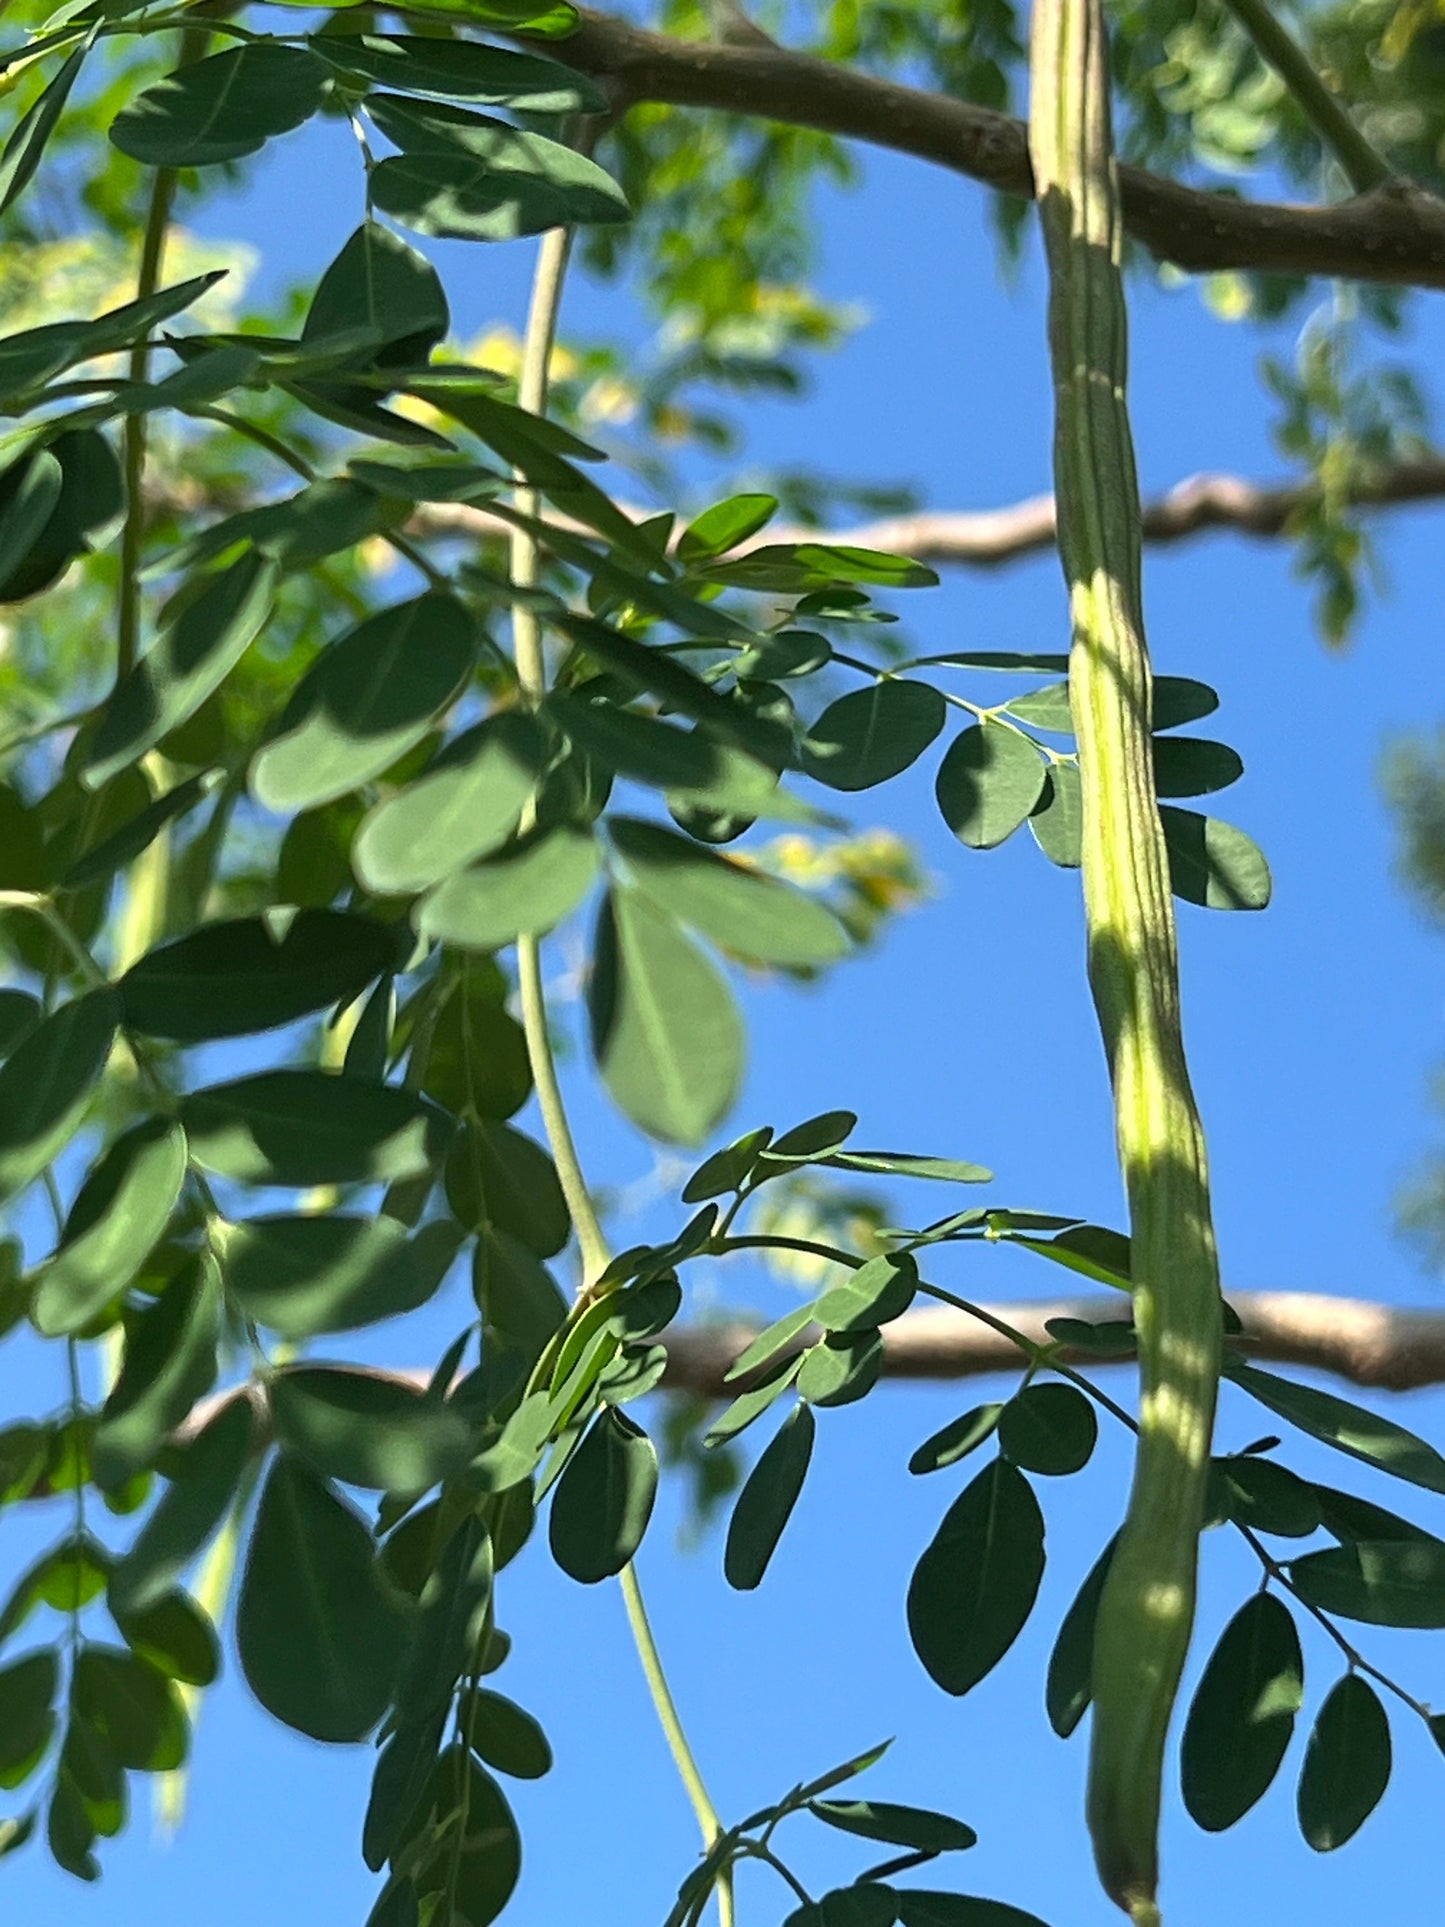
(604, 1499)
(367, 699)
(29, 492)
(1070, 1684)
(169, 1362)
(306, 1127)
(119, 1213)
(790, 652)
(366, 1430)
(989, 783)
(22, 151)
(27, 1715)
(328, 1272)
(977, 1581)
(380, 282)
(19, 1015)
(1349, 1428)
(1242, 1714)
(222, 108)
(133, 1706)
(1393, 1582)
(205, 630)
(465, 177)
(91, 501)
(769, 1342)
(1046, 708)
(665, 1031)
(1269, 1497)
(464, 70)
(811, 1141)
(1180, 699)
(868, 1904)
(403, 1774)
(454, 1607)
(904, 1164)
(766, 1501)
(114, 852)
(319, 1640)
(499, 1177)
(1049, 1428)
(1349, 1517)
(841, 1369)
(957, 1439)
(1347, 1765)
(875, 1294)
(1212, 863)
(244, 975)
(203, 1486)
(506, 1737)
(1092, 1250)
(478, 1058)
(46, 1084)
(727, 1169)
(526, 889)
(900, 1826)
(1057, 821)
(467, 804)
(516, 1294)
(873, 734)
(1194, 765)
(175, 1637)
(479, 1874)
(787, 568)
(737, 905)
(751, 1405)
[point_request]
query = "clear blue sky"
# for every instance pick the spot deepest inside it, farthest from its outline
(967, 1033)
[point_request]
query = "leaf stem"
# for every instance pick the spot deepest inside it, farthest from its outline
(1364, 166)
(531, 664)
(152, 259)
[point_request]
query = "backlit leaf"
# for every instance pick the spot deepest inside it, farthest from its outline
(1347, 1765)
(119, 1213)
(525, 889)
(976, 1582)
(766, 1502)
(1212, 863)
(603, 1499)
(1347, 1427)
(1242, 1714)
(870, 735)
(46, 1085)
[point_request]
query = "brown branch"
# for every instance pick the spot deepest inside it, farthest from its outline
(983, 538)
(1384, 1347)
(1394, 233)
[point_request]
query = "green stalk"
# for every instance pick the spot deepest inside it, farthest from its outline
(1147, 1610)
(543, 311)
(148, 279)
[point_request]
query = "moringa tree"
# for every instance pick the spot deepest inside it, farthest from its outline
(339, 680)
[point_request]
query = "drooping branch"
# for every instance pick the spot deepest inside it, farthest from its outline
(1395, 233)
(984, 538)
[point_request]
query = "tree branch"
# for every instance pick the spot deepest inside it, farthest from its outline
(984, 538)
(1383, 1347)
(1394, 233)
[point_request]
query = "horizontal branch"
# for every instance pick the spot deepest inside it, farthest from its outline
(983, 538)
(1384, 1347)
(1395, 233)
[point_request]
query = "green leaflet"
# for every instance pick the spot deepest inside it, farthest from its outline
(1242, 1715)
(22, 151)
(90, 502)
(842, 1368)
(478, 1058)
(1347, 1765)
(1069, 1685)
(32, 357)
(203, 1485)
(27, 1716)
(366, 1430)
(499, 1177)
(525, 83)
(46, 1085)
(470, 178)
(873, 1295)
(480, 1871)
(381, 283)
(976, 1583)
(916, 1827)
(175, 1637)
(1049, 1428)
(366, 700)
(454, 1605)
(169, 1362)
(603, 1499)
(1194, 765)
(870, 735)
(119, 1214)
(740, 907)
(1347, 1427)
(526, 889)
(133, 1706)
(205, 630)
(957, 1439)
(305, 1127)
(989, 782)
(506, 1737)
(1395, 1582)
(65, 1578)
(123, 845)
(319, 1639)
(28, 498)
(1212, 863)
(766, 1502)
(331, 1271)
(223, 107)
(1057, 821)
(465, 805)
(665, 1031)
(241, 976)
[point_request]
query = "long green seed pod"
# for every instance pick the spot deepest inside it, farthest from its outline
(1147, 1609)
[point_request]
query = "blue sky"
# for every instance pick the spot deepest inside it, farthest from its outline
(966, 1032)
